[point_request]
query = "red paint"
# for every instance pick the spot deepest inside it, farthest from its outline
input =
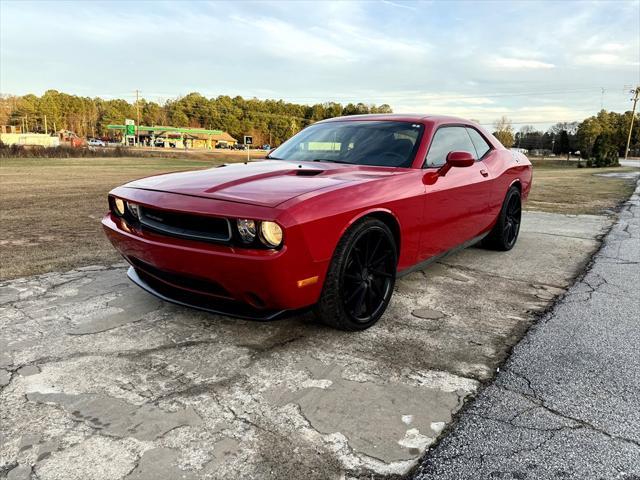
(433, 212)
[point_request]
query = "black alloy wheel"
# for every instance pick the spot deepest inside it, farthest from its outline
(504, 234)
(361, 277)
(512, 221)
(368, 275)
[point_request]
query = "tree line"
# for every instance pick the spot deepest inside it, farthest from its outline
(600, 139)
(268, 121)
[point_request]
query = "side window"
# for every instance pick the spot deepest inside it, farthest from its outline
(482, 147)
(445, 140)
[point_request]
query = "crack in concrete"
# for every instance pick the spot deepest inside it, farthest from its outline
(131, 353)
(568, 236)
(116, 418)
(197, 389)
(502, 277)
(49, 288)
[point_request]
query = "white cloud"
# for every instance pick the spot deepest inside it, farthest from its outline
(613, 47)
(450, 98)
(282, 39)
(374, 43)
(603, 59)
(519, 63)
(399, 5)
(608, 55)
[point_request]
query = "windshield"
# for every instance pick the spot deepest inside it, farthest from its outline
(381, 143)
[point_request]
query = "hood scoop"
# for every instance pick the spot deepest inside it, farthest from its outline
(307, 172)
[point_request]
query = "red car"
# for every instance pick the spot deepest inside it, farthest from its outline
(329, 219)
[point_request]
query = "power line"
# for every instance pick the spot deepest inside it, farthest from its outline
(515, 112)
(537, 122)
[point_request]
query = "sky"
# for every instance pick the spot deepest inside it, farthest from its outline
(536, 62)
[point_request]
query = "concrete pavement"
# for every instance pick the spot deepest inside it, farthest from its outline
(566, 405)
(99, 380)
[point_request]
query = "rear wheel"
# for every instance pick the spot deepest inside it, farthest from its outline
(504, 234)
(360, 280)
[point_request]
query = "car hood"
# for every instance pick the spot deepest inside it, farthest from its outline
(267, 183)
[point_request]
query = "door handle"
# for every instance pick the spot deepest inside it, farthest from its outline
(484, 173)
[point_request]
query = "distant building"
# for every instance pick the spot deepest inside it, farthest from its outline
(200, 140)
(13, 135)
(540, 152)
(175, 137)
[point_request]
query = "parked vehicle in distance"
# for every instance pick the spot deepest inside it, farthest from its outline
(328, 220)
(96, 142)
(266, 147)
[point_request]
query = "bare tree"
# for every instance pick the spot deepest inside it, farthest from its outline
(504, 131)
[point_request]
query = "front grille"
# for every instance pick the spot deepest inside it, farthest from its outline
(206, 287)
(186, 225)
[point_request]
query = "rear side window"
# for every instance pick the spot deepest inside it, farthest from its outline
(482, 147)
(445, 140)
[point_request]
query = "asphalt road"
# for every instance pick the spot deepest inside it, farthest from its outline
(99, 380)
(566, 405)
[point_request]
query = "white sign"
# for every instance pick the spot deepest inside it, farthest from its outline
(248, 140)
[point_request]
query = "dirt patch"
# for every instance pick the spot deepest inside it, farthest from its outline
(51, 209)
(561, 187)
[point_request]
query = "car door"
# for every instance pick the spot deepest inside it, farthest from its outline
(455, 204)
(488, 155)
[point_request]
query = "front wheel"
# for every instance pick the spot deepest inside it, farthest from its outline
(504, 234)
(361, 277)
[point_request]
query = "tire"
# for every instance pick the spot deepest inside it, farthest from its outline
(361, 277)
(505, 232)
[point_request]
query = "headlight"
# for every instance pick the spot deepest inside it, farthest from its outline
(271, 234)
(134, 208)
(119, 205)
(246, 229)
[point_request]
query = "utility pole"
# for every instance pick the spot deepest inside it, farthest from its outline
(45, 125)
(137, 117)
(636, 93)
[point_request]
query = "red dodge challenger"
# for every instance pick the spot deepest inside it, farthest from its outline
(329, 219)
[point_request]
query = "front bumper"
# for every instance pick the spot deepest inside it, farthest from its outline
(199, 302)
(246, 283)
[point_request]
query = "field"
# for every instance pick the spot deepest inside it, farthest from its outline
(51, 208)
(560, 187)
